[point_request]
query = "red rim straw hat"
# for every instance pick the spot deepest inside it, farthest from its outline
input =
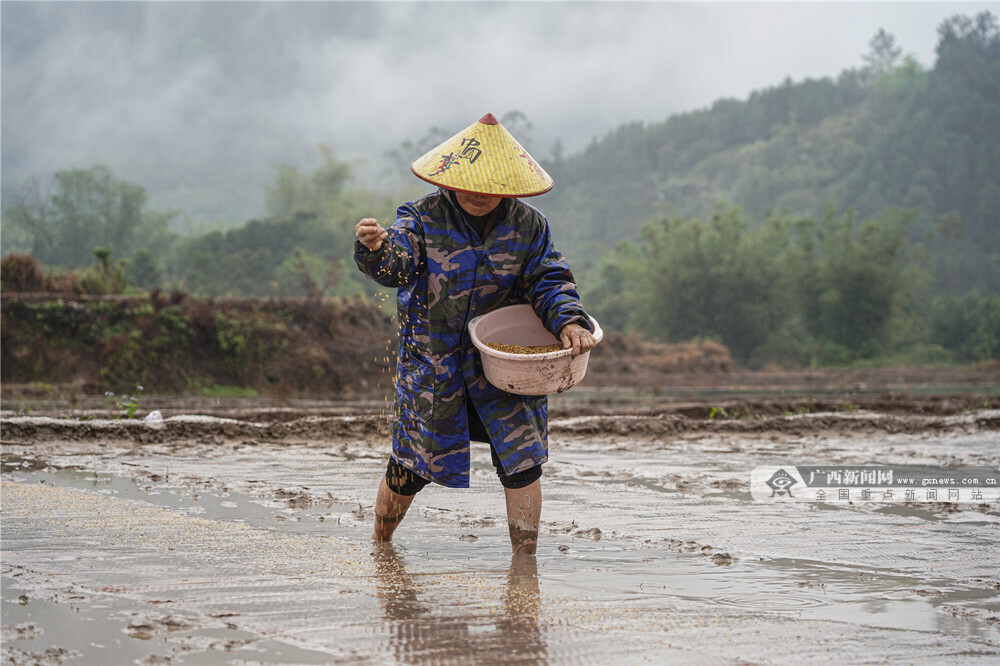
(484, 158)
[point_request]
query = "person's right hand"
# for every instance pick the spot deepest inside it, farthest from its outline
(370, 233)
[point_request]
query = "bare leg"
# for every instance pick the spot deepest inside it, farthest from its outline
(390, 508)
(524, 510)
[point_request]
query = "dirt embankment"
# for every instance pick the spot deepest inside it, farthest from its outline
(588, 412)
(57, 346)
(26, 430)
(173, 344)
(323, 369)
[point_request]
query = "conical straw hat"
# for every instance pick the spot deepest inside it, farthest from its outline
(483, 159)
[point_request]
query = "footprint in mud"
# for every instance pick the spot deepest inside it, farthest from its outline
(295, 499)
(719, 557)
(52, 655)
(141, 630)
(689, 486)
(146, 626)
(730, 484)
(25, 631)
(156, 660)
(15, 463)
(983, 615)
(593, 534)
(723, 559)
(574, 530)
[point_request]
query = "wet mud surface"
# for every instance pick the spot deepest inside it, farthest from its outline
(240, 534)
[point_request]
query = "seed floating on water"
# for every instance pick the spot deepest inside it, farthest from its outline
(519, 349)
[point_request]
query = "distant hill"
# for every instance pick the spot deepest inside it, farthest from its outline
(890, 134)
(816, 223)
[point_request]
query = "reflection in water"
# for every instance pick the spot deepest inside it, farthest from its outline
(421, 631)
(519, 630)
(396, 590)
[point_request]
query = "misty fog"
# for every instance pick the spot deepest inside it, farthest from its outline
(199, 102)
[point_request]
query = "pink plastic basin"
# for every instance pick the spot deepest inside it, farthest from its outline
(526, 374)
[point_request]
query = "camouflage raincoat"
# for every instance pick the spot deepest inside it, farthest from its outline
(445, 275)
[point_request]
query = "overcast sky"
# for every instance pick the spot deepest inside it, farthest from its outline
(167, 91)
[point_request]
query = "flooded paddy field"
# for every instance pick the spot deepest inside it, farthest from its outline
(240, 534)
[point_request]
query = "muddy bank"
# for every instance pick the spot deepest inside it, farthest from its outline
(59, 346)
(925, 400)
(237, 531)
(73, 349)
(27, 429)
(221, 545)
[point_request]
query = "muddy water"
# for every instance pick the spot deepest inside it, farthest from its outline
(223, 550)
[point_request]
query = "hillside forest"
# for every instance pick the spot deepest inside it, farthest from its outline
(822, 222)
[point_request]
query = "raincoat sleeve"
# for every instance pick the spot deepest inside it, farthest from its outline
(400, 260)
(549, 286)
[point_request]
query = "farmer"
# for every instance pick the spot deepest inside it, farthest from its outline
(467, 249)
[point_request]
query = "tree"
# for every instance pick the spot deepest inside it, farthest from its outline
(294, 193)
(103, 277)
(850, 279)
(715, 279)
(301, 248)
(143, 271)
(883, 54)
(92, 207)
(80, 210)
(30, 216)
(610, 294)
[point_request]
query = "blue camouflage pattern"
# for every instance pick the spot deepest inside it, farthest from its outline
(444, 276)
